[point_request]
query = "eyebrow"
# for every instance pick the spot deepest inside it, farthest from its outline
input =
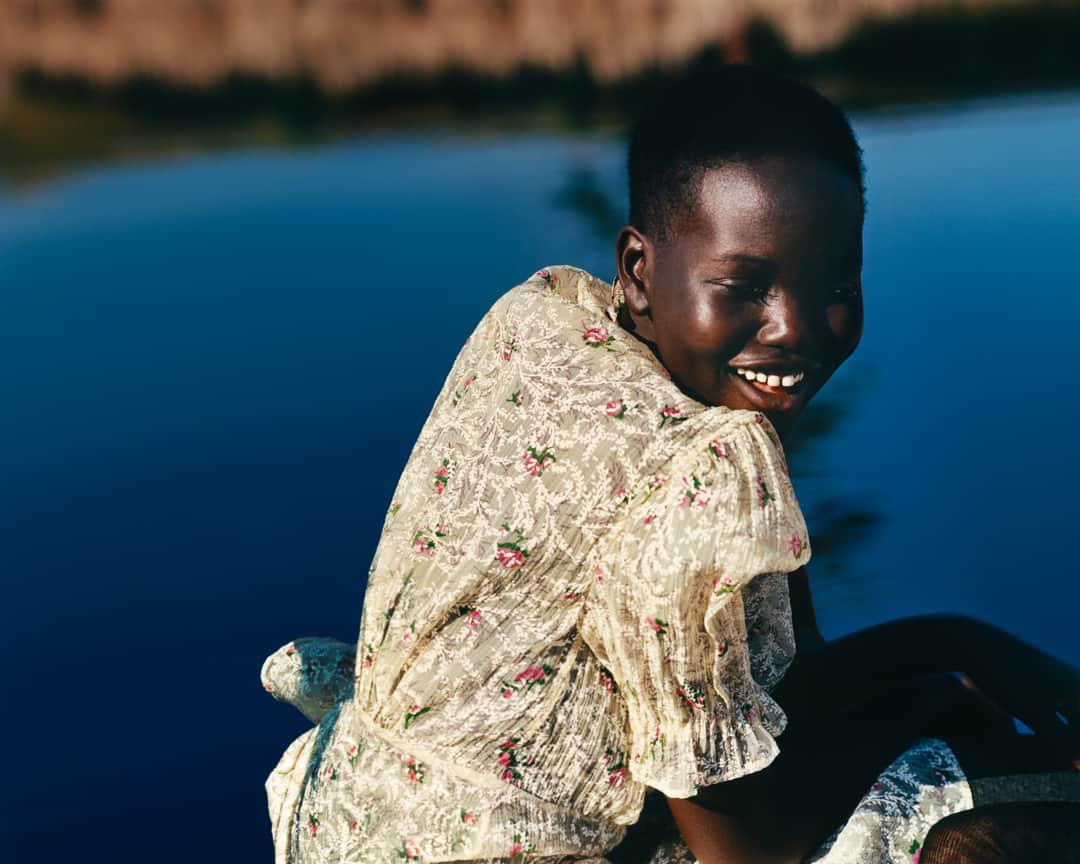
(739, 259)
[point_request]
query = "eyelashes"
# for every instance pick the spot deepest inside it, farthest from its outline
(758, 291)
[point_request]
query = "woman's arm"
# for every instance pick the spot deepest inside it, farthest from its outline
(808, 638)
(1025, 682)
(1030, 684)
(853, 706)
(830, 755)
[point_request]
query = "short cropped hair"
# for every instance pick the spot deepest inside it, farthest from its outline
(715, 115)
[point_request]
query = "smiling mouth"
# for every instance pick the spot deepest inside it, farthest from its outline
(770, 391)
(771, 382)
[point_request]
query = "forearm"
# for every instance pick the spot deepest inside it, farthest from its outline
(871, 661)
(827, 762)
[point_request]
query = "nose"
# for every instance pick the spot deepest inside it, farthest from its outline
(790, 323)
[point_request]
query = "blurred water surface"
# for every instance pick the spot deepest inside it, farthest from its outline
(212, 369)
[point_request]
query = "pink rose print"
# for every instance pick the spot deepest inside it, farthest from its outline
(796, 545)
(551, 279)
(692, 696)
(537, 461)
(529, 677)
(393, 511)
(718, 448)
(758, 418)
(749, 712)
(509, 347)
(508, 762)
(422, 545)
(351, 754)
(465, 385)
(410, 850)
(533, 674)
(620, 492)
(442, 476)
(597, 337)
(616, 767)
(414, 712)
(371, 653)
(763, 493)
(658, 626)
(615, 408)
(313, 824)
(511, 553)
(424, 542)
(915, 851)
(516, 398)
(521, 845)
(290, 649)
(672, 415)
(415, 770)
(331, 772)
(599, 573)
(268, 688)
(648, 520)
(468, 818)
(608, 681)
(354, 825)
(694, 493)
(472, 616)
(724, 585)
(721, 648)
(510, 558)
(570, 593)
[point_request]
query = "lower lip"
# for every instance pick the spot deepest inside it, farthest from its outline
(769, 399)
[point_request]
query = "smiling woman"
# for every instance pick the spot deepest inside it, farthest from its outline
(753, 300)
(591, 578)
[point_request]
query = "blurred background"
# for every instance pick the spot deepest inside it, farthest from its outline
(241, 242)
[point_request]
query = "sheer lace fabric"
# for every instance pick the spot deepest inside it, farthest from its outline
(557, 611)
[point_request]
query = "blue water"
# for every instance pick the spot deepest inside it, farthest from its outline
(212, 369)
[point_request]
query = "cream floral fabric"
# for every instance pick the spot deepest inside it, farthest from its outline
(579, 592)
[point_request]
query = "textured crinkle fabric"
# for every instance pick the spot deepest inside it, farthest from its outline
(888, 826)
(579, 591)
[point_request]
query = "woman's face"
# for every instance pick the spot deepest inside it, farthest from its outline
(761, 280)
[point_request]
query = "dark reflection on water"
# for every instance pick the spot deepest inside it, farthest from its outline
(212, 370)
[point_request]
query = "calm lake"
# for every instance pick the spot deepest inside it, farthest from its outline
(213, 367)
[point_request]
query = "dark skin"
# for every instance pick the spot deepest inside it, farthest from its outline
(763, 275)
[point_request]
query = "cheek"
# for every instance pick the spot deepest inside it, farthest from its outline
(846, 323)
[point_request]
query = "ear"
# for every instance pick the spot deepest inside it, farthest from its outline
(634, 256)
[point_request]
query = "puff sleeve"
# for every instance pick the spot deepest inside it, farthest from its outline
(691, 612)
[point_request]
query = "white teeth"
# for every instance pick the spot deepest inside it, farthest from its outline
(771, 380)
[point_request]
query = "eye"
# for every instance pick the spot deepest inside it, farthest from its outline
(845, 292)
(755, 290)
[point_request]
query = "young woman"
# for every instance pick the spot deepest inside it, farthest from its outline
(591, 579)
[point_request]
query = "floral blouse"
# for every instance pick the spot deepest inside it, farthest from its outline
(580, 592)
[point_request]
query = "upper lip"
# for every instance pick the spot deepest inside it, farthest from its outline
(776, 366)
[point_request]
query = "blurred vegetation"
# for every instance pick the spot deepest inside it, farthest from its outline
(49, 125)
